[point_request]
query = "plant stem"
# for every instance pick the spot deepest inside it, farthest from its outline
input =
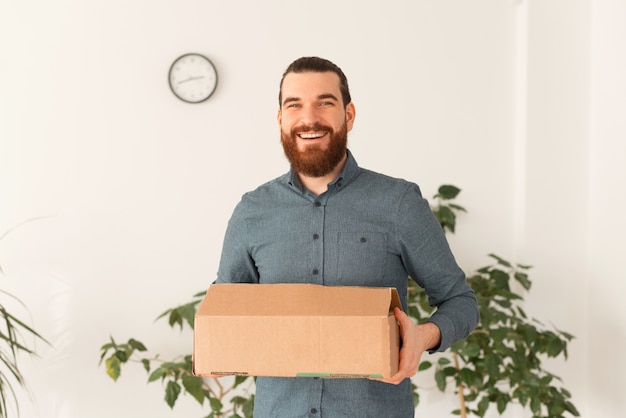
(460, 388)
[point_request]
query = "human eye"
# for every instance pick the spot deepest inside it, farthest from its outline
(327, 100)
(326, 103)
(292, 105)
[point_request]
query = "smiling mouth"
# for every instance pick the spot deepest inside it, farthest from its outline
(313, 135)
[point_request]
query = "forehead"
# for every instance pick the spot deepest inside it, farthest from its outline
(310, 85)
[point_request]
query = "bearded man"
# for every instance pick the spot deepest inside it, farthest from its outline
(330, 222)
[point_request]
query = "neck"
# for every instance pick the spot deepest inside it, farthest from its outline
(319, 185)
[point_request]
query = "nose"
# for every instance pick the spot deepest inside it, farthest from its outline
(309, 115)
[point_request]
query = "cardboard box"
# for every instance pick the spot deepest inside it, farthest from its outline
(296, 330)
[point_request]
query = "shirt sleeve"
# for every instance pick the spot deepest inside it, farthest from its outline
(236, 264)
(430, 262)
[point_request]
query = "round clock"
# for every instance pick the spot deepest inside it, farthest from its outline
(192, 78)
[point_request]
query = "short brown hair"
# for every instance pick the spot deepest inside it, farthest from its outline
(317, 65)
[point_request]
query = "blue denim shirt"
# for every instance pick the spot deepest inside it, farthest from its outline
(367, 229)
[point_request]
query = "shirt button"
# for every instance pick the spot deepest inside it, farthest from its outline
(339, 184)
(318, 203)
(316, 272)
(314, 410)
(316, 236)
(363, 239)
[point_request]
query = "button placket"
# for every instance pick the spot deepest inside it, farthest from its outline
(318, 243)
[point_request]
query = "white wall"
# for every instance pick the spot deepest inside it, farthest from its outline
(606, 311)
(519, 103)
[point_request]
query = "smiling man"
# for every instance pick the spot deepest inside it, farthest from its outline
(330, 222)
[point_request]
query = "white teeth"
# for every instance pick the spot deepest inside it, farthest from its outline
(311, 136)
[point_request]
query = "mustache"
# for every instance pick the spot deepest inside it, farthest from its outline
(317, 127)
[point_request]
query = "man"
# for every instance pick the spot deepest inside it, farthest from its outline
(330, 222)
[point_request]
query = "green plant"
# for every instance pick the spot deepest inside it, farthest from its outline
(177, 374)
(14, 333)
(499, 363)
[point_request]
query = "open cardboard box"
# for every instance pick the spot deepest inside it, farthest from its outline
(296, 330)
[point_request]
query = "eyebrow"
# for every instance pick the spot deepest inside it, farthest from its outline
(320, 97)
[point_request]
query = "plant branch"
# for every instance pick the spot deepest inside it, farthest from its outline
(460, 388)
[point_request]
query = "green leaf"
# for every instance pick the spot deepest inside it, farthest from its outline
(499, 334)
(146, 365)
(113, 367)
(446, 217)
(501, 261)
(156, 374)
(137, 345)
(416, 397)
(502, 404)
(424, 365)
(555, 347)
(440, 379)
(172, 390)
(500, 279)
(571, 409)
(181, 314)
(216, 405)
(522, 279)
(444, 361)
(193, 386)
(535, 405)
(239, 380)
(449, 371)
(448, 191)
(121, 355)
(239, 400)
(107, 346)
(468, 377)
(249, 407)
(457, 207)
(492, 364)
(483, 404)
(470, 350)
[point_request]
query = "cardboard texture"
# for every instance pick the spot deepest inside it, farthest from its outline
(296, 330)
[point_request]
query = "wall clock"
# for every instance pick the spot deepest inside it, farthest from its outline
(192, 78)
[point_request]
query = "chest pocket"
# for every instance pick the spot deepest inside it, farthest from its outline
(361, 257)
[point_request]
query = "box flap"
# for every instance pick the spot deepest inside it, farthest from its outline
(298, 300)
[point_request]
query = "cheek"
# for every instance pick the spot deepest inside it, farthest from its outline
(286, 123)
(286, 130)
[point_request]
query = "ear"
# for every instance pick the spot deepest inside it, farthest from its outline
(350, 115)
(279, 117)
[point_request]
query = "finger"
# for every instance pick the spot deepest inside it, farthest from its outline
(400, 315)
(396, 379)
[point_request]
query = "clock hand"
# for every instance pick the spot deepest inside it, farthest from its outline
(191, 79)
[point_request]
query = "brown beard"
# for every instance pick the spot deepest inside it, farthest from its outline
(315, 162)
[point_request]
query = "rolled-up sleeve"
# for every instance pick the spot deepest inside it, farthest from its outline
(429, 261)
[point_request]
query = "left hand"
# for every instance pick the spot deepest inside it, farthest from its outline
(415, 340)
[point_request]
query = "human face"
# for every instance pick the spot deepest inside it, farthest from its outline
(314, 122)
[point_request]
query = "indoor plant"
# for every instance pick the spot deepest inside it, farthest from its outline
(499, 363)
(14, 334)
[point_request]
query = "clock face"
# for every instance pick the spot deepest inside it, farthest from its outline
(193, 78)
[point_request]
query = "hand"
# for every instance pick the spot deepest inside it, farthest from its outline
(415, 340)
